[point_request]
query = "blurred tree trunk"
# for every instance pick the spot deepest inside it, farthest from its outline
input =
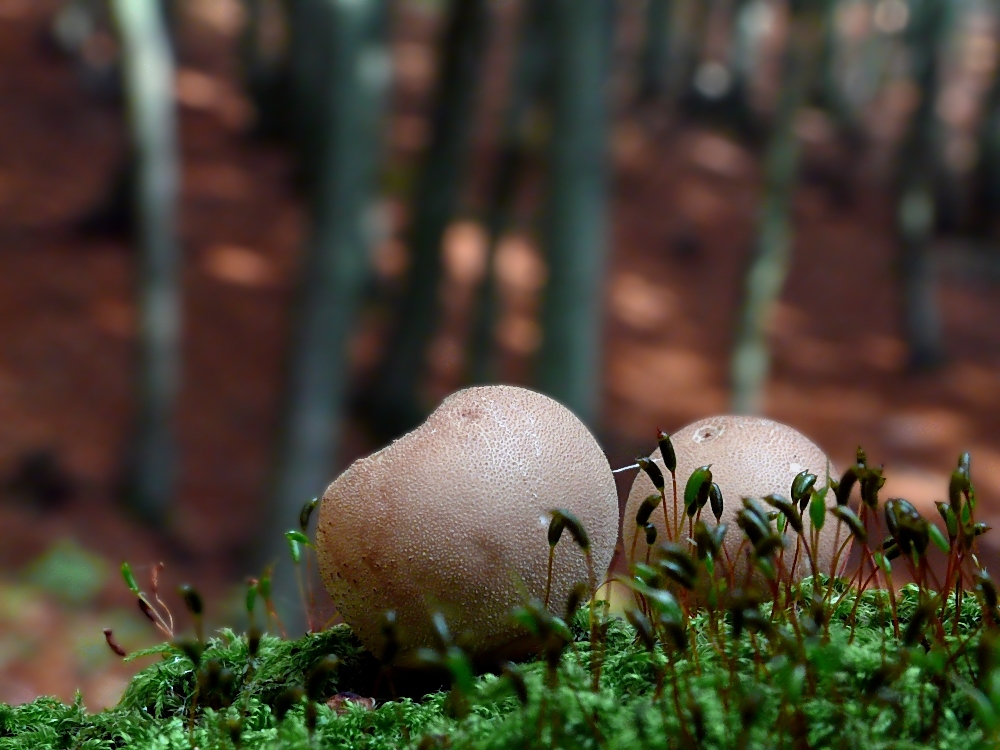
(149, 85)
(745, 40)
(526, 79)
(75, 27)
(654, 60)
(308, 63)
(713, 86)
(172, 19)
(395, 402)
(254, 67)
(265, 71)
(916, 168)
(335, 269)
(839, 176)
(75, 22)
(985, 207)
(772, 249)
(827, 90)
(575, 232)
(698, 15)
(735, 106)
(873, 68)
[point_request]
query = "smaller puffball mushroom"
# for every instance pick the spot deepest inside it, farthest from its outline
(749, 457)
(453, 518)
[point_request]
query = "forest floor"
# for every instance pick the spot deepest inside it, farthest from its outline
(684, 202)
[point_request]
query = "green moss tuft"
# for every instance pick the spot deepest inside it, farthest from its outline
(755, 694)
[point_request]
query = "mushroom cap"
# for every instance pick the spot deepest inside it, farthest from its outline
(453, 517)
(750, 457)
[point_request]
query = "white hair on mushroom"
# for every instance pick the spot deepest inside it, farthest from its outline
(452, 518)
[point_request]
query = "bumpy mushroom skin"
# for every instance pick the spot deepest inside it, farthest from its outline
(750, 457)
(453, 517)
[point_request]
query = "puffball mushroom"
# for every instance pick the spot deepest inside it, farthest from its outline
(749, 457)
(453, 518)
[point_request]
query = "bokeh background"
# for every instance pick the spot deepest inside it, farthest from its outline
(245, 241)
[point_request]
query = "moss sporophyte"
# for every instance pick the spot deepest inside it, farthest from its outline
(695, 649)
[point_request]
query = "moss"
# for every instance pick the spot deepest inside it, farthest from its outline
(752, 692)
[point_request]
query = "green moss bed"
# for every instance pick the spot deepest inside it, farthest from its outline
(875, 690)
(702, 657)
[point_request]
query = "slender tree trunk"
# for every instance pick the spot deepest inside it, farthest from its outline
(734, 106)
(986, 176)
(915, 173)
(654, 61)
(335, 270)
(772, 250)
(873, 66)
(265, 73)
(75, 22)
(396, 404)
(524, 91)
(569, 367)
(826, 84)
(172, 19)
(309, 61)
(149, 80)
(253, 66)
(692, 51)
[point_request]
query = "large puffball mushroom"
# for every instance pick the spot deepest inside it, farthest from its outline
(453, 518)
(749, 457)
